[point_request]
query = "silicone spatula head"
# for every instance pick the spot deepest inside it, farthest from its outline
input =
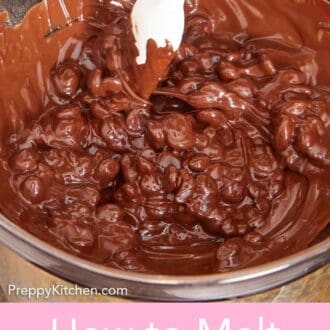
(162, 22)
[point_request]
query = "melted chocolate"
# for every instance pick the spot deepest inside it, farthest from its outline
(225, 166)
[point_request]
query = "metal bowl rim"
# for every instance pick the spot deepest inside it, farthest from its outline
(322, 248)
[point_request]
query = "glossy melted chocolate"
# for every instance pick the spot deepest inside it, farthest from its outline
(225, 166)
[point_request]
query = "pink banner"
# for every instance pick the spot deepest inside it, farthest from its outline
(136, 316)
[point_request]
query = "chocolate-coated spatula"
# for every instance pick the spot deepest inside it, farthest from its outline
(158, 27)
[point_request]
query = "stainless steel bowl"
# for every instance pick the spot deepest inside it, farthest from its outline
(151, 287)
(164, 288)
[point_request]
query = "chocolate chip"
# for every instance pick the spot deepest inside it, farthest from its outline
(33, 189)
(108, 170)
(66, 79)
(179, 133)
(25, 161)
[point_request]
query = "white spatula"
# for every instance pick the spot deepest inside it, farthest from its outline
(162, 21)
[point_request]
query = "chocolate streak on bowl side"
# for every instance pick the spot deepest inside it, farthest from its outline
(226, 166)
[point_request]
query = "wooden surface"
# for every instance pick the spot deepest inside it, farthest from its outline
(15, 270)
(311, 288)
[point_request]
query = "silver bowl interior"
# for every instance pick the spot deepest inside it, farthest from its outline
(16, 8)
